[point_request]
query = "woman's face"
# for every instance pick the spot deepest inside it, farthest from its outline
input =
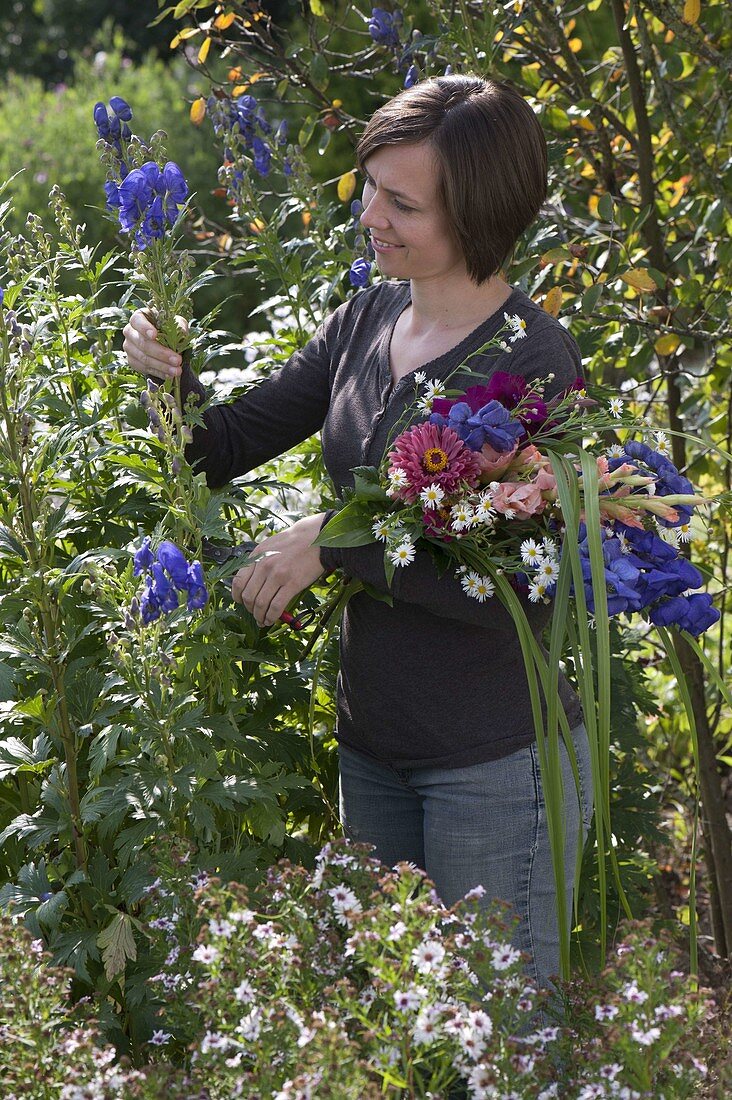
(409, 229)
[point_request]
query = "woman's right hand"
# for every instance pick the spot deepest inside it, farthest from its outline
(144, 353)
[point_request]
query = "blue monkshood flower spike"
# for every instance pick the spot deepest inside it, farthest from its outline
(174, 561)
(150, 609)
(143, 558)
(383, 27)
(412, 76)
(359, 273)
(2, 295)
(197, 592)
(121, 108)
(164, 591)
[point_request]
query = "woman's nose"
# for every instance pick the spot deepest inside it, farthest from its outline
(374, 213)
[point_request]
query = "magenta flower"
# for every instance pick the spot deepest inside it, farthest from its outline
(430, 454)
(509, 389)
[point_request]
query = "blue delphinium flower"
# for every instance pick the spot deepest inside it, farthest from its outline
(359, 273)
(412, 76)
(668, 479)
(491, 424)
(383, 27)
(694, 613)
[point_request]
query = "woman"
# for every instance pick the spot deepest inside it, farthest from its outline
(438, 761)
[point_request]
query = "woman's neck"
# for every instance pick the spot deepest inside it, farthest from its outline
(443, 305)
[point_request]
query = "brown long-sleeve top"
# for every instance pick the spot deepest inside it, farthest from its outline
(437, 678)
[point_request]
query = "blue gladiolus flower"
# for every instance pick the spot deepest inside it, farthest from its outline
(121, 108)
(359, 273)
(144, 558)
(174, 561)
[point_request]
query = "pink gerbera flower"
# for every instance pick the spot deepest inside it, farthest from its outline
(430, 454)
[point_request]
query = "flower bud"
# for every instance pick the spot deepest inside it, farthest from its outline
(176, 466)
(87, 587)
(28, 614)
(145, 399)
(134, 606)
(160, 433)
(186, 434)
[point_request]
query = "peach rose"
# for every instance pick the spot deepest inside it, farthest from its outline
(522, 498)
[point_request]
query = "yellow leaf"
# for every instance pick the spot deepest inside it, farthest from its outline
(692, 11)
(346, 186)
(316, 7)
(234, 74)
(337, 103)
(255, 77)
(198, 111)
(203, 52)
(553, 301)
(225, 242)
(575, 44)
(667, 345)
(175, 42)
(592, 205)
(257, 225)
(639, 279)
(584, 122)
(239, 90)
(307, 217)
(221, 22)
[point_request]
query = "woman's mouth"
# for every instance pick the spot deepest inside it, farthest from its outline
(383, 246)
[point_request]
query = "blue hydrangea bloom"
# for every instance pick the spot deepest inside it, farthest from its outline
(359, 273)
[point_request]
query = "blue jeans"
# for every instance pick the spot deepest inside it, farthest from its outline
(484, 824)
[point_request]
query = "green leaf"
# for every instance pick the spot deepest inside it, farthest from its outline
(349, 527)
(606, 207)
(117, 944)
(590, 298)
(307, 130)
(319, 72)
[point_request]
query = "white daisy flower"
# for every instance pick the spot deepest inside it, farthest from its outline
(537, 591)
(380, 530)
(517, 326)
(669, 534)
(432, 496)
(615, 406)
(645, 1038)
(397, 931)
(605, 1012)
(403, 554)
(244, 992)
(531, 553)
(481, 1022)
(220, 928)
(419, 377)
(625, 547)
(469, 582)
(250, 1025)
(398, 478)
(683, 532)
(428, 956)
(461, 515)
(548, 571)
(505, 956)
(616, 451)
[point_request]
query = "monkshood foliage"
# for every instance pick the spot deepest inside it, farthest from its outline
(347, 983)
(137, 701)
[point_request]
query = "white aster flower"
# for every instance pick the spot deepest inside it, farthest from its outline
(537, 591)
(548, 571)
(481, 1023)
(396, 931)
(419, 377)
(426, 1028)
(605, 1012)
(428, 956)
(615, 406)
(214, 1040)
(434, 388)
(403, 554)
(481, 1083)
(250, 1025)
(663, 447)
(469, 582)
(461, 515)
(549, 549)
(483, 590)
(220, 928)
(632, 993)
(592, 1092)
(531, 553)
(244, 992)
(406, 1000)
(380, 530)
(683, 532)
(397, 480)
(205, 954)
(645, 1038)
(505, 956)
(160, 1038)
(484, 511)
(432, 496)
(517, 326)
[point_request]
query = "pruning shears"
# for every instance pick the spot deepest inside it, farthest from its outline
(221, 554)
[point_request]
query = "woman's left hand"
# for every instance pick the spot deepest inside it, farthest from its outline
(286, 563)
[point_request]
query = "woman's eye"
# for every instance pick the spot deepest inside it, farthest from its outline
(401, 206)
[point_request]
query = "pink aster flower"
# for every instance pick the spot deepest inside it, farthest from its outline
(430, 454)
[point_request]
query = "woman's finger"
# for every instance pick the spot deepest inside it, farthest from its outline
(144, 353)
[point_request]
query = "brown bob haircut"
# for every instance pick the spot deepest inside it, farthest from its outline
(492, 155)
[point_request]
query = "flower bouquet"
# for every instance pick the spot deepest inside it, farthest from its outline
(521, 496)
